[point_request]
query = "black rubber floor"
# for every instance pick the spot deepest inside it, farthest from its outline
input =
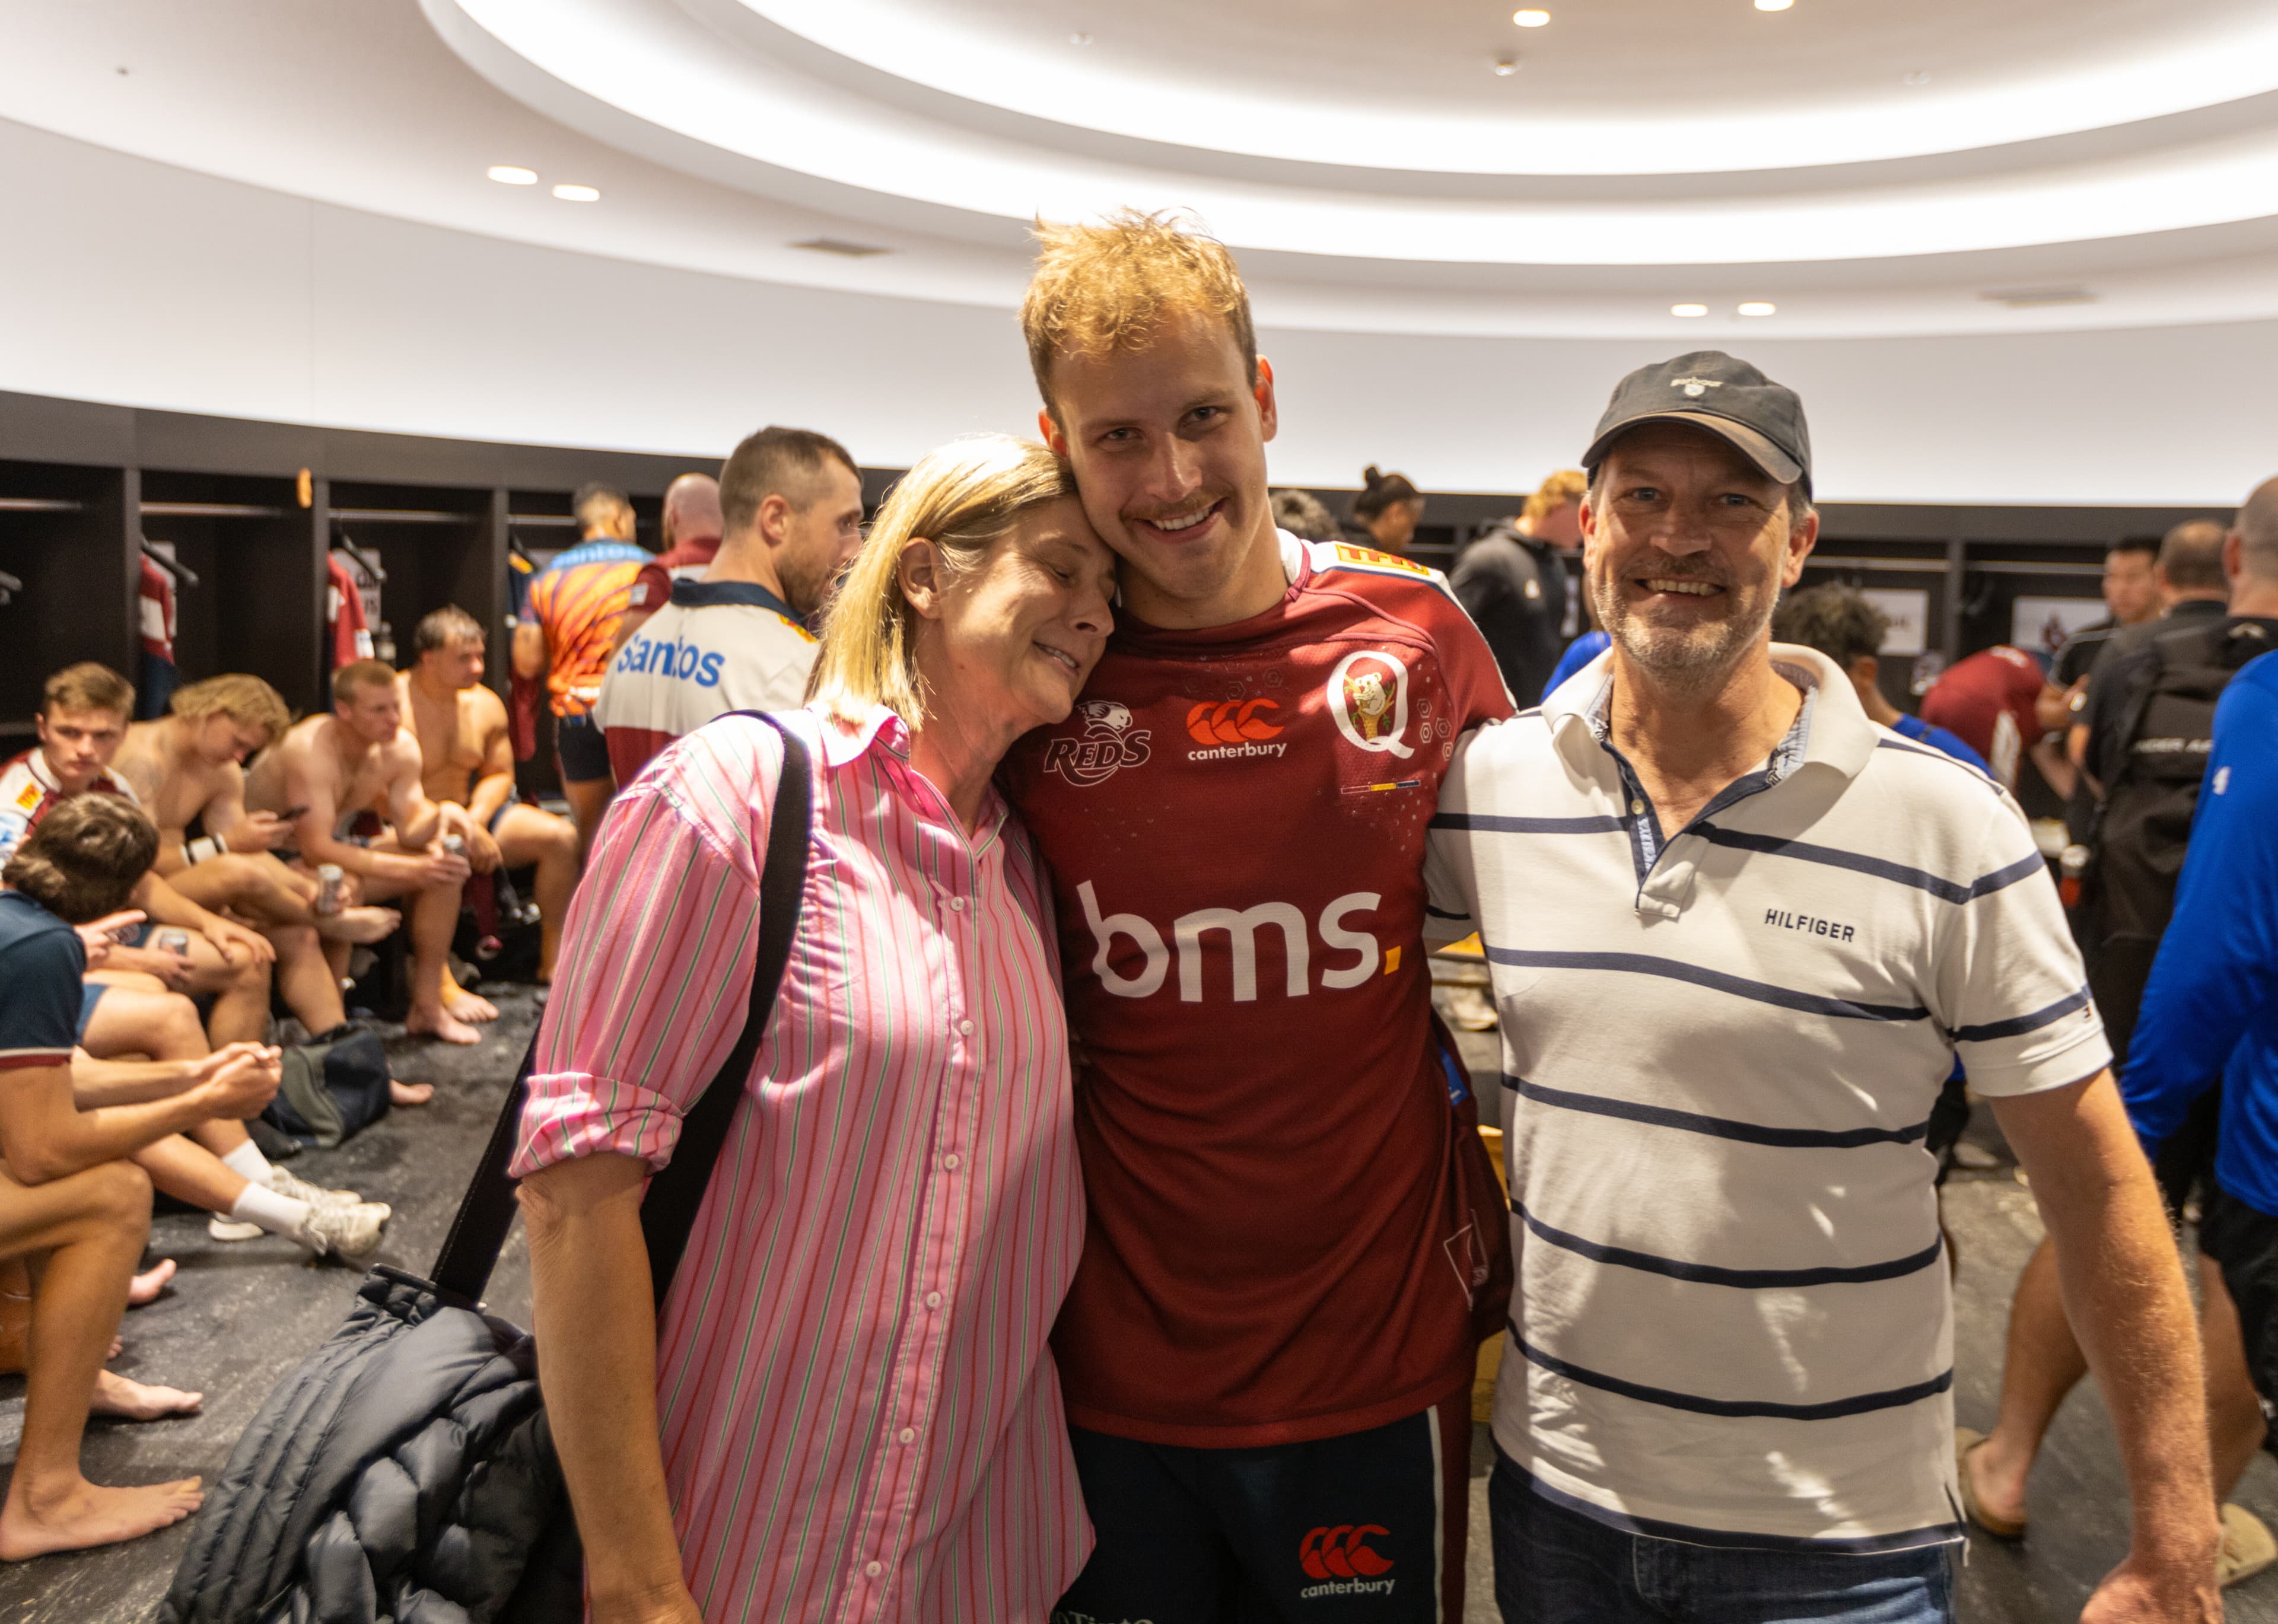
(241, 1314)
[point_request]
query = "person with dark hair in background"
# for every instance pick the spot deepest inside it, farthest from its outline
(2154, 698)
(2131, 596)
(688, 538)
(1840, 623)
(467, 759)
(2193, 589)
(1385, 513)
(1513, 581)
(791, 502)
(1301, 514)
(567, 636)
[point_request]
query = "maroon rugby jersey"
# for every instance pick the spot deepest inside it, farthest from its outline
(1277, 1250)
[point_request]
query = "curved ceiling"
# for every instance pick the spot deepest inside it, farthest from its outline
(1946, 166)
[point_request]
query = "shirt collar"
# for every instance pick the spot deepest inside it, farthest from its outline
(1832, 728)
(880, 729)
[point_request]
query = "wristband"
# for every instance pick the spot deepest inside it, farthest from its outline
(204, 847)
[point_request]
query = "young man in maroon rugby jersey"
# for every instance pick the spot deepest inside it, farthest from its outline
(1267, 1353)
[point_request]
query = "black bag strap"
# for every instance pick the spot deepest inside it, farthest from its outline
(470, 1250)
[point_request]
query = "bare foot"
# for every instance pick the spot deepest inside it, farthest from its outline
(144, 1289)
(439, 1023)
(91, 1515)
(409, 1094)
(115, 1395)
(359, 925)
(467, 1007)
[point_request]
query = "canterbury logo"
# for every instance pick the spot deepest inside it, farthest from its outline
(1338, 1552)
(1231, 723)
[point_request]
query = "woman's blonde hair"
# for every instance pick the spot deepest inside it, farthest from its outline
(963, 497)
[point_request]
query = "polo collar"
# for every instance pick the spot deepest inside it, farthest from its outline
(692, 594)
(1830, 730)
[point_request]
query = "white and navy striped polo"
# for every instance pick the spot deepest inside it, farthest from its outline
(1721, 1047)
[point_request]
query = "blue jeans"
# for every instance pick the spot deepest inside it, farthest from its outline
(1554, 1565)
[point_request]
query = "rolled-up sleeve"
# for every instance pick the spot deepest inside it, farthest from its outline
(656, 971)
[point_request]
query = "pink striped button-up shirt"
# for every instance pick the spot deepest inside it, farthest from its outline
(861, 1415)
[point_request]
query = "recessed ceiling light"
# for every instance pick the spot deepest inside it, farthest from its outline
(1079, 39)
(577, 194)
(1759, 307)
(1503, 67)
(509, 174)
(1918, 77)
(1689, 309)
(1530, 18)
(1774, 5)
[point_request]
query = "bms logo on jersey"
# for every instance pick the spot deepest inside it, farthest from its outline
(1108, 744)
(1194, 935)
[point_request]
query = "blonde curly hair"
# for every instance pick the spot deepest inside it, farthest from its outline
(1099, 288)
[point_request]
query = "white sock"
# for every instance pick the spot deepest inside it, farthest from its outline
(279, 1214)
(246, 1161)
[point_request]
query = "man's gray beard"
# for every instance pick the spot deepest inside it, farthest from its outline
(1687, 662)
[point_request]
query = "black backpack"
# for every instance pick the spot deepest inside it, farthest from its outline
(2166, 727)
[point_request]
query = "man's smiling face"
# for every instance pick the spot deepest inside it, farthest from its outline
(1688, 545)
(1169, 443)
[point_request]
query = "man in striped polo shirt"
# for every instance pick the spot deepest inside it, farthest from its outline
(1739, 935)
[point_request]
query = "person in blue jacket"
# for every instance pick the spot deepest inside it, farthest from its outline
(2210, 1011)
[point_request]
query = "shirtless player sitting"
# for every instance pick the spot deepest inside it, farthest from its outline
(327, 771)
(82, 720)
(467, 759)
(188, 767)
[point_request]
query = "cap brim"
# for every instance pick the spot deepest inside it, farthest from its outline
(1775, 462)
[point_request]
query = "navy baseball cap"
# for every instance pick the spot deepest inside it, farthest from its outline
(1710, 390)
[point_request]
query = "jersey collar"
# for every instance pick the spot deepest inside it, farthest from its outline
(688, 594)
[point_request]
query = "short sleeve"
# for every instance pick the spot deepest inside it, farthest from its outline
(39, 1019)
(1475, 683)
(651, 589)
(2009, 986)
(657, 953)
(1450, 905)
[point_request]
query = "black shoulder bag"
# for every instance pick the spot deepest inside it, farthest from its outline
(404, 1470)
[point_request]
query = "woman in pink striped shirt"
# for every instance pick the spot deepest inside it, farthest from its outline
(848, 1409)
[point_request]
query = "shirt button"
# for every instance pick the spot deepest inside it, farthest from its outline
(1636, 808)
(933, 1299)
(871, 1570)
(951, 1162)
(956, 904)
(908, 1435)
(965, 1027)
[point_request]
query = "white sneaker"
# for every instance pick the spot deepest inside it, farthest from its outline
(1467, 1008)
(299, 1189)
(230, 1229)
(350, 1232)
